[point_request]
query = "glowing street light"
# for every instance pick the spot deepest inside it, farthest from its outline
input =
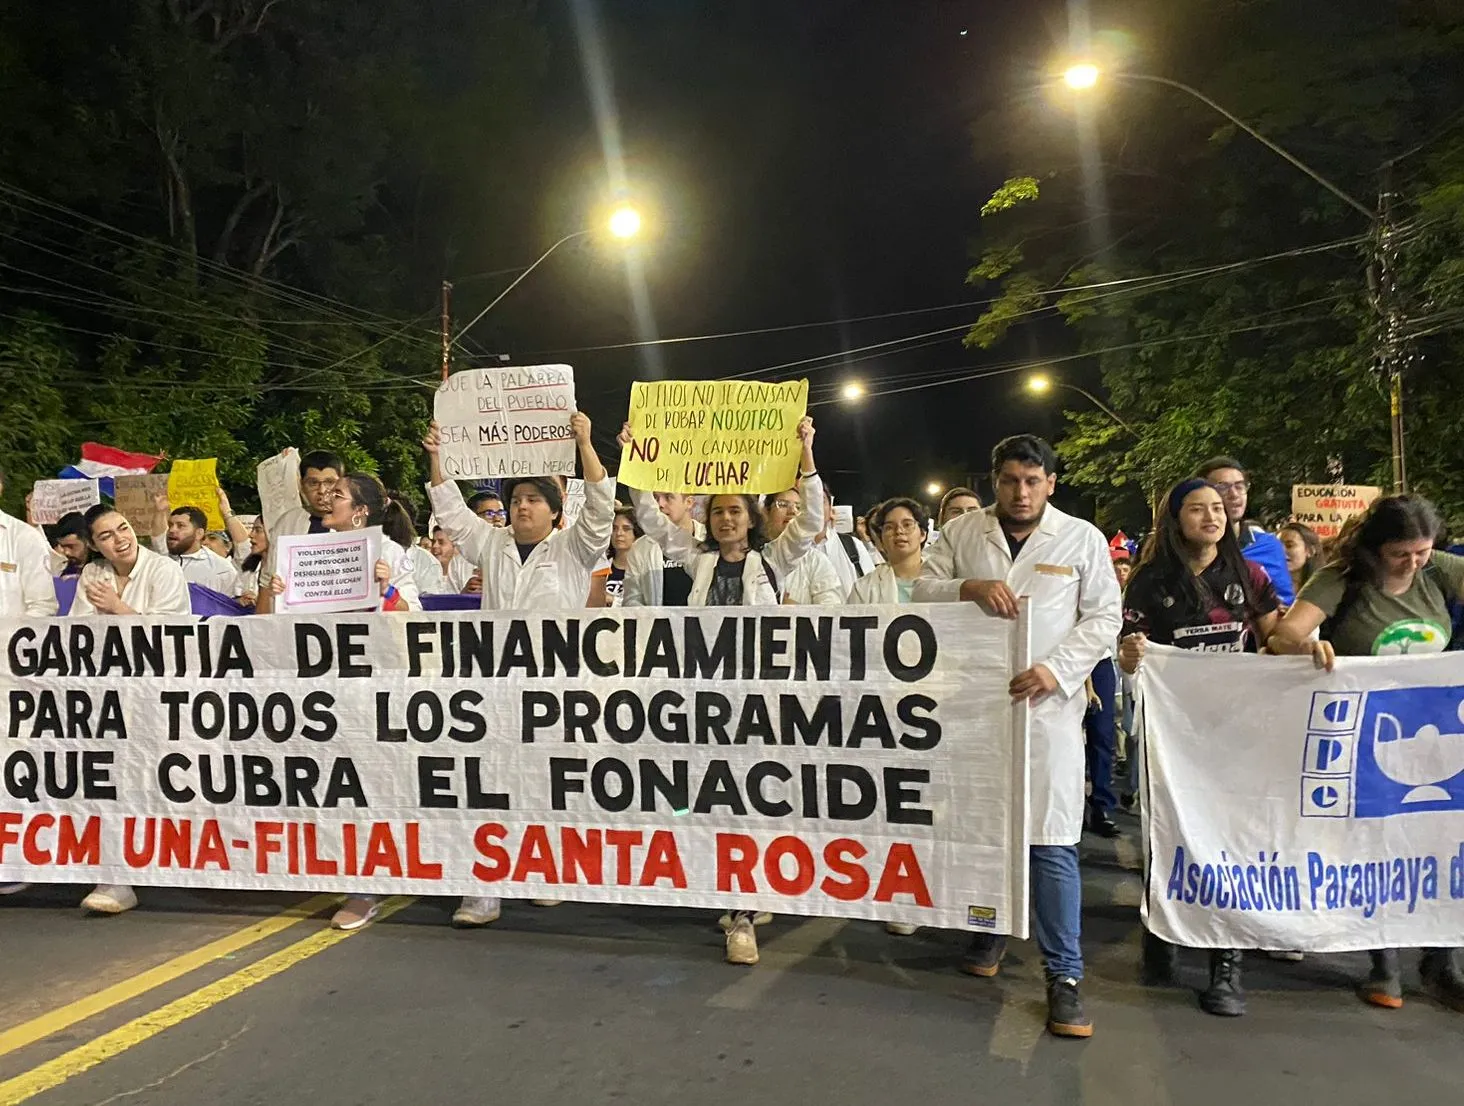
(1040, 384)
(1082, 76)
(853, 391)
(625, 222)
(934, 488)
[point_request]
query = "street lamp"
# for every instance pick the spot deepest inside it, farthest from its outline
(1083, 76)
(623, 223)
(934, 488)
(852, 392)
(1040, 384)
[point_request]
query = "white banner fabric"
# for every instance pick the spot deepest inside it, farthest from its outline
(864, 764)
(1292, 809)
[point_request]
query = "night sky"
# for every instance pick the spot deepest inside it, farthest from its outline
(804, 162)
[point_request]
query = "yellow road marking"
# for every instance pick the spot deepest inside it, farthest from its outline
(63, 1017)
(85, 1057)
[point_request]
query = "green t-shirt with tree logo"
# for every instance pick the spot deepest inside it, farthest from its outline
(1378, 624)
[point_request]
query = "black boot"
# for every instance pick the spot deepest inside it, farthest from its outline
(983, 958)
(1443, 977)
(1384, 984)
(1100, 823)
(1224, 997)
(1158, 963)
(1065, 1016)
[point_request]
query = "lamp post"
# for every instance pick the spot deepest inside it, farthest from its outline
(624, 223)
(1040, 384)
(1085, 76)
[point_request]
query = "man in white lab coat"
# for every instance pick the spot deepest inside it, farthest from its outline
(1024, 547)
(26, 587)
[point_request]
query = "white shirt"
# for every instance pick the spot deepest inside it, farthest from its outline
(813, 583)
(1066, 574)
(556, 574)
(832, 547)
(645, 566)
(156, 587)
(26, 585)
(207, 569)
(452, 581)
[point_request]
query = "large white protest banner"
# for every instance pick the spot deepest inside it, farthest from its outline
(326, 573)
(506, 422)
(1323, 812)
(53, 500)
(866, 763)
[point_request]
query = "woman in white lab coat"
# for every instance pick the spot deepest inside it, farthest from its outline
(127, 579)
(901, 524)
(737, 567)
(359, 501)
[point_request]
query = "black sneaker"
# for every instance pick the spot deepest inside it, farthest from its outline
(1159, 962)
(1224, 997)
(983, 958)
(1442, 977)
(1065, 1017)
(1384, 984)
(1100, 823)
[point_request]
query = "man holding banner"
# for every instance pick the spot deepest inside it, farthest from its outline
(1024, 547)
(530, 564)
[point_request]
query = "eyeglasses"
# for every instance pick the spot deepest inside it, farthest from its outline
(340, 495)
(787, 504)
(317, 484)
(904, 526)
(492, 515)
(1236, 486)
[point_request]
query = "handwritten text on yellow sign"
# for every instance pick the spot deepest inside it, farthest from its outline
(707, 437)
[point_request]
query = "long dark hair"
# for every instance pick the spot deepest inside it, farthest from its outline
(368, 492)
(1165, 558)
(396, 522)
(1312, 542)
(756, 536)
(627, 513)
(1391, 518)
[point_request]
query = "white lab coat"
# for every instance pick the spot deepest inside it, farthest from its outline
(438, 582)
(813, 583)
(26, 585)
(156, 586)
(556, 575)
(1066, 574)
(645, 567)
(880, 588)
(292, 523)
(781, 554)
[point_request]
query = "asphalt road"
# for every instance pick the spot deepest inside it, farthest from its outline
(230, 999)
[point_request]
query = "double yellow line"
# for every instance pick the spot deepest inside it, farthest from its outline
(100, 1049)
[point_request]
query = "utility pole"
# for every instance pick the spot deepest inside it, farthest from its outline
(1393, 349)
(446, 329)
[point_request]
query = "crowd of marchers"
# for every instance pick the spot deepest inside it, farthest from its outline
(1206, 578)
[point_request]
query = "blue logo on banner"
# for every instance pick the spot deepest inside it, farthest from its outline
(1375, 754)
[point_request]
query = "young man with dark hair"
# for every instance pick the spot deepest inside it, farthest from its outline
(1256, 545)
(187, 529)
(320, 472)
(1023, 546)
(530, 564)
(68, 539)
(488, 507)
(813, 580)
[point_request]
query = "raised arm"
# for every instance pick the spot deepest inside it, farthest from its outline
(471, 534)
(675, 542)
(800, 535)
(590, 534)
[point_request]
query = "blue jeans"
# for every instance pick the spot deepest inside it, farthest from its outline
(1057, 909)
(1099, 730)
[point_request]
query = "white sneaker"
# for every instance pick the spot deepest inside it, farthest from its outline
(901, 929)
(12, 888)
(355, 912)
(742, 941)
(110, 899)
(547, 902)
(476, 912)
(761, 918)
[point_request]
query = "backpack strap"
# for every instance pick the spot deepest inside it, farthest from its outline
(852, 550)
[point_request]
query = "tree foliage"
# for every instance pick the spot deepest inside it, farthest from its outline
(1262, 339)
(222, 222)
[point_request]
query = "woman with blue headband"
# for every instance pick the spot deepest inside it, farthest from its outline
(1194, 589)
